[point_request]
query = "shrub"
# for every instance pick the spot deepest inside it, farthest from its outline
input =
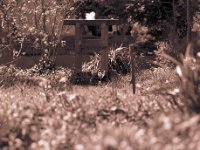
(189, 73)
(32, 25)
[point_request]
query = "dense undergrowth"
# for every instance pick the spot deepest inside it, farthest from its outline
(47, 111)
(51, 108)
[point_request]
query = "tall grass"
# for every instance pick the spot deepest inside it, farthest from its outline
(188, 70)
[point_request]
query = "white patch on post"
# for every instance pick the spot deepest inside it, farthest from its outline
(90, 16)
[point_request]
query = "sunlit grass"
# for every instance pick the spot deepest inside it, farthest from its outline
(49, 112)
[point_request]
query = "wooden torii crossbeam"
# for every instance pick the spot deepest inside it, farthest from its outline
(81, 43)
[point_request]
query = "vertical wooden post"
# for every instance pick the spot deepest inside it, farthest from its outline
(104, 53)
(189, 21)
(174, 17)
(132, 66)
(78, 52)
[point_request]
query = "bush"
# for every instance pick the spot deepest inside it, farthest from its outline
(189, 73)
(32, 25)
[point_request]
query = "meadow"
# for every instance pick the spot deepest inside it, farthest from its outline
(48, 111)
(47, 107)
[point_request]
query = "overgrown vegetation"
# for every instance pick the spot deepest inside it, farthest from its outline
(188, 71)
(47, 107)
(48, 111)
(32, 27)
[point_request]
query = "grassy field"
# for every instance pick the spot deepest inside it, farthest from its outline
(49, 108)
(49, 112)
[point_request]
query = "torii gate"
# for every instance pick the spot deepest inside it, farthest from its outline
(82, 44)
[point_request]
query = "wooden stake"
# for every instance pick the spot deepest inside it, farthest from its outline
(78, 52)
(132, 65)
(104, 52)
(189, 26)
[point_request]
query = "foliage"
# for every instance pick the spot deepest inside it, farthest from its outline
(189, 74)
(37, 23)
(47, 112)
(118, 61)
(154, 14)
(118, 64)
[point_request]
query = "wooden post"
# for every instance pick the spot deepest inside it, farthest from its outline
(174, 17)
(132, 66)
(78, 52)
(189, 21)
(104, 53)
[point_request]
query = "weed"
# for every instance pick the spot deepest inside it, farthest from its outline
(189, 73)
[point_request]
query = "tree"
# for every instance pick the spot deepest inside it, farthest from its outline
(38, 22)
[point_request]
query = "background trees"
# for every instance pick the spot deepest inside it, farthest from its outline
(39, 22)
